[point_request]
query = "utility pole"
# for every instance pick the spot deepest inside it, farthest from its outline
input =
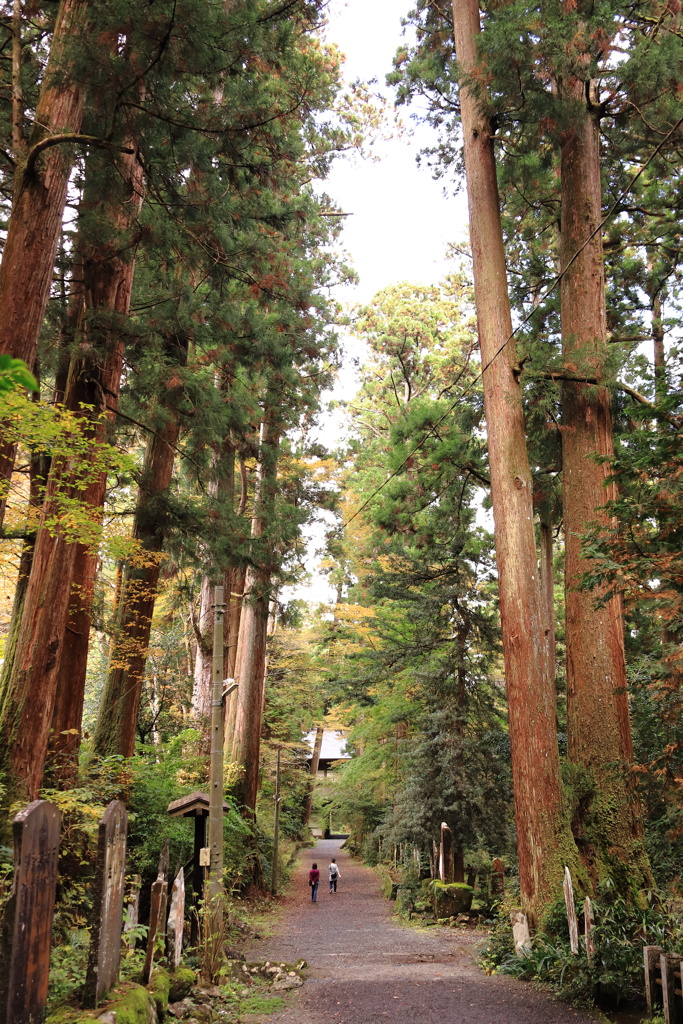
(216, 777)
(276, 833)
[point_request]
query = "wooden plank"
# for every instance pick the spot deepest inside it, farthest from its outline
(653, 978)
(673, 1011)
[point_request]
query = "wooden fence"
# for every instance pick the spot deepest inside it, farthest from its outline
(663, 985)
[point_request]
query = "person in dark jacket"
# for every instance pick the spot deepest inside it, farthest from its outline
(314, 881)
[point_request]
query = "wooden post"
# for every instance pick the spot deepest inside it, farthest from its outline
(157, 913)
(571, 912)
(276, 829)
(589, 925)
(217, 744)
(446, 854)
(671, 981)
(110, 880)
(176, 921)
(133, 903)
(27, 922)
(497, 877)
(653, 991)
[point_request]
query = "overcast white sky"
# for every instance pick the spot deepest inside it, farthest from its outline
(400, 220)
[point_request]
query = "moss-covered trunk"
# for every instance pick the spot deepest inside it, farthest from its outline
(607, 820)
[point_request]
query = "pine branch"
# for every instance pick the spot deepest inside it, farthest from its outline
(73, 138)
(674, 421)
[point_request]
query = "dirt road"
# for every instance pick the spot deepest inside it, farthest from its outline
(366, 969)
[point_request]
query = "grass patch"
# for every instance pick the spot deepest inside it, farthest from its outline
(262, 1004)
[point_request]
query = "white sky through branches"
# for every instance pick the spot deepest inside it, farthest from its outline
(400, 220)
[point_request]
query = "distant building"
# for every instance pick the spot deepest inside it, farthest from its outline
(333, 749)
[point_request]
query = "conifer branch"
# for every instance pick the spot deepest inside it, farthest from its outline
(675, 421)
(73, 138)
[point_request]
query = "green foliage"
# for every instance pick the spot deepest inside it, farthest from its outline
(68, 965)
(614, 974)
(15, 374)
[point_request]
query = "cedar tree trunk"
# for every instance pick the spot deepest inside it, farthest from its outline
(315, 761)
(115, 730)
(39, 194)
(251, 645)
(607, 820)
(544, 839)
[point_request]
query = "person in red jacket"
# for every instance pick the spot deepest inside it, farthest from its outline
(314, 881)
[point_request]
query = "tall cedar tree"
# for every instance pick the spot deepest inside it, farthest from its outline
(43, 158)
(544, 839)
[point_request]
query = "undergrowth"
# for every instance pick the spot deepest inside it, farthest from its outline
(614, 973)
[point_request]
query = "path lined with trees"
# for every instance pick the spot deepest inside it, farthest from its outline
(363, 968)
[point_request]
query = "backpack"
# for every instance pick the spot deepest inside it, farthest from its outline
(333, 871)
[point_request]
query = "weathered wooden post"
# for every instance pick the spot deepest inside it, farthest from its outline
(588, 926)
(571, 912)
(110, 880)
(276, 828)
(27, 922)
(651, 961)
(176, 920)
(670, 964)
(497, 877)
(157, 913)
(132, 903)
(446, 854)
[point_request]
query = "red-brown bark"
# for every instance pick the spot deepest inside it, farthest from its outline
(315, 761)
(38, 199)
(251, 644)
(543, 837)
(608, 821)
(115, 730)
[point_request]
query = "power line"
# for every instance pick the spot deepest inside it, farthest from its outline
(551, 287)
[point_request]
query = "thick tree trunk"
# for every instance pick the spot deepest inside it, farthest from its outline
(607, 821)
(251, 645)
(99, 305)
(315, 761)
(115, 730)
(544, 840)
(39, 196)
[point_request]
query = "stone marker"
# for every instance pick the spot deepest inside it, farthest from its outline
(110, 880)
(571, 912)
(27, 922)
(520, 931)
(497, 877)
(176, 920)
(157, 913)
(446, 854)
(589, 925)
(132, 903)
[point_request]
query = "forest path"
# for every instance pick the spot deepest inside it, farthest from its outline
(364, 968)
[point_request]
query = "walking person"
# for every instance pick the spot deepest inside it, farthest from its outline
(314, 881)
(333, 872)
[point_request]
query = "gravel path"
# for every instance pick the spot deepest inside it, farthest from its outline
(366, 969)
